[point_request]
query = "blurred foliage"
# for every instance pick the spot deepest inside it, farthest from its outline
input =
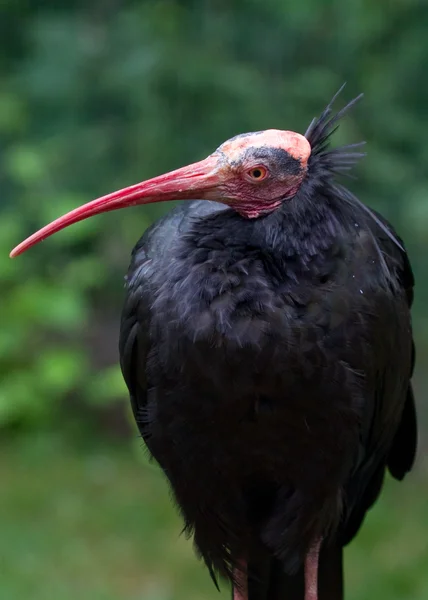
(95, 96)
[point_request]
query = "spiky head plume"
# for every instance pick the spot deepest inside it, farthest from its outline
(326, 163)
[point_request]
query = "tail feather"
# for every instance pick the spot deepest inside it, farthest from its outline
(268, 581)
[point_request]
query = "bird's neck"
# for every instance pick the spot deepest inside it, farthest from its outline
(302, 229)
(289, 240)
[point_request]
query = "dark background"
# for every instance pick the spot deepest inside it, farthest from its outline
(98, 95)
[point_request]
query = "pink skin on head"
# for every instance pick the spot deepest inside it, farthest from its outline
(296, 145)
(255, 198)
(224, 176)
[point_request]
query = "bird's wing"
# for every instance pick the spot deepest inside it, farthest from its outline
(399, 456)
(134, 338)
(154, 248)
(403, 451)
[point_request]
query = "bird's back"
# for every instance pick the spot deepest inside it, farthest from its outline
(269, 386)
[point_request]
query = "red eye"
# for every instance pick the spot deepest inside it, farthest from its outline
(257, 173)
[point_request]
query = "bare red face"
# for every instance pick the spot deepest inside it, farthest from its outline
(252, 173)
(263, 169)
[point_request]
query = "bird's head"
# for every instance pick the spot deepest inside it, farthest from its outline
(253, 173)
(256, 172)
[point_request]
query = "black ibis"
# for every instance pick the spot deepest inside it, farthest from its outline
(267, 346)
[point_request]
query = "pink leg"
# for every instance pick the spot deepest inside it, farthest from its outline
(311, 572)
(240, 591)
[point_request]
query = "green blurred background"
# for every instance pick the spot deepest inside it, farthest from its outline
(95, 95)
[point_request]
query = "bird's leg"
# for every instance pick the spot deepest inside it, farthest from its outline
(240, 588)
(311, 571)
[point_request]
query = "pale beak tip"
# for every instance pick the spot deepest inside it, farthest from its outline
(15, 252)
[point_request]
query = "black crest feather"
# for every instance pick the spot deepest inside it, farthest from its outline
(336, 160)
(327, 162)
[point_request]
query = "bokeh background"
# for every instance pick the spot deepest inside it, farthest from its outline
(97, 95)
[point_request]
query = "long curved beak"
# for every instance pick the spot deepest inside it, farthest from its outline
(193, 181)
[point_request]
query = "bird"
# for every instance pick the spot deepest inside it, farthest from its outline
(266, 343)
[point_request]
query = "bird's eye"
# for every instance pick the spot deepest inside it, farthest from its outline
(257, 173)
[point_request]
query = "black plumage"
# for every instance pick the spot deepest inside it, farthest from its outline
(266, 343)
(269, 362)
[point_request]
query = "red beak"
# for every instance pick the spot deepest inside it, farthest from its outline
(191, 182)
